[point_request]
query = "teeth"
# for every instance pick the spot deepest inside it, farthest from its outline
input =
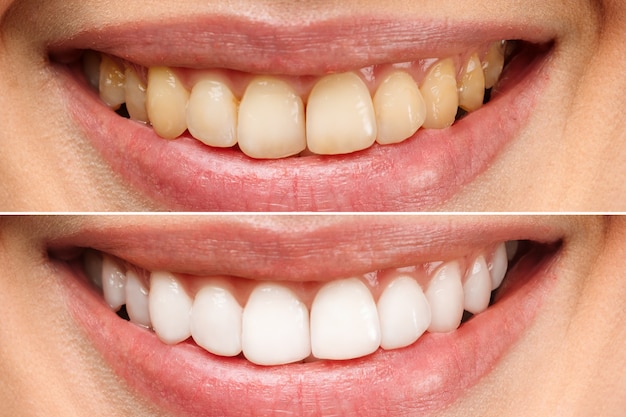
(498, 266)
(170, 308)
(511, 249)
(445, 297)
(271, 120)
(135, 96)
(112, 83)
(344, 321)
(400, 108)
(440, 95)
(166, 102)
(472, 85)
(477, 287)
(212, 113)
(404, 313)
(340, 115)
(275, 326)
(137, 300)
(113, 283)
(493, 63)
(91, 68)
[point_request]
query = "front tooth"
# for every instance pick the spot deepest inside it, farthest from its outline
(472, 85)
(271, 120)
(440, 95)
(477, 287)
(216, 320)
(113, 283)
(445, 297)
(344, 321)
(275, 326)
(404, 313)
(400, 108)
(498, 266)
(170, 308)
(137, 300)
(112, 83)
(166, 102)
(340, 115)
(135, 96)
(493, 63)
(212, 113)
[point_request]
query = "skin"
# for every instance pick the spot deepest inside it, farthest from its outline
(573, 145)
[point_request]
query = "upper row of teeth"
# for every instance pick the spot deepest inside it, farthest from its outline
(348, 318)
(342, 114)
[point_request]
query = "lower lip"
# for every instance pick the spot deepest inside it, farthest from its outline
(421, 173)
(423, 378)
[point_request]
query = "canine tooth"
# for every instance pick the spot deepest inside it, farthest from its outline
(445, 297)
(271, 120)
(166, 102)
(498, 266)
(340, 115)
(400, 108)
(170, 308)
(137, 300)
(344, 321)
(472, 85)
(91, 68)
(135, 96)
(113, 283)
(112, 83)
(275, 326)
(404, 313)
(216, 320)
(493, 63)
(477, 287)
(440, 95)
(212, 113)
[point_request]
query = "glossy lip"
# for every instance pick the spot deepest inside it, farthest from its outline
(421, 173)
(419, 379)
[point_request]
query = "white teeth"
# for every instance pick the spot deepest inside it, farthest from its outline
(445, 297)
(340, 115)
(477, 287)
(93, 267)
(493, 63)
(440, 95)
(404, 313)
(472, 85)
(137, 300)
(112, 83)
(498, 266)
(170, 308)
(135, 97)
(212, 113)
(271, 120)
(511, 248)
(344, 321)
(113, 283)
(166, 102)
(275, 326)
(400, 108)
(216, 320)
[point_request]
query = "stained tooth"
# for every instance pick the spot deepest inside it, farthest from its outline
(271, 120)
(400, 108)
(340, 115)
(212, 113)
(477, 287)
(275, 326)
(91, 68)
(113, 283)
(440, 95)
(112, 83)
(170, 308)
(135, 96)
(404, 313)
(472, 85)
(493, 63)
(216, 320)
(166, 102)
(445, 297)
(498, 266)
(137, 300)
(344, 321)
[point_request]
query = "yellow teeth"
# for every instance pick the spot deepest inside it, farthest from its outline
(135, 96)
(493, 63)
(472, 85)
(167, 102)
(112, 82)
(440, 94)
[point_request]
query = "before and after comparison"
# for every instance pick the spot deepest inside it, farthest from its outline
(313, 208)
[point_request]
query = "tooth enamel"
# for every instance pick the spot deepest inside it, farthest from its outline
(166, 102)
(472, 85)
(477, 287)
(113, 283)
(170, 308)
(135, 96)
(399, 107)
(498, 266)
(344, 321)
(404, 313)
(445, 297)
(92, 261)
(112, 83)
(511, 248)
(271, 120)
(216, 320)
(91, 68)
(493, 63)
(340, 115)
(137, 300)
(212, 113)
(275, 326)
(440, 95)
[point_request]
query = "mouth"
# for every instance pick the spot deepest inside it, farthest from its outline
(383, 121)
(403, 328)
